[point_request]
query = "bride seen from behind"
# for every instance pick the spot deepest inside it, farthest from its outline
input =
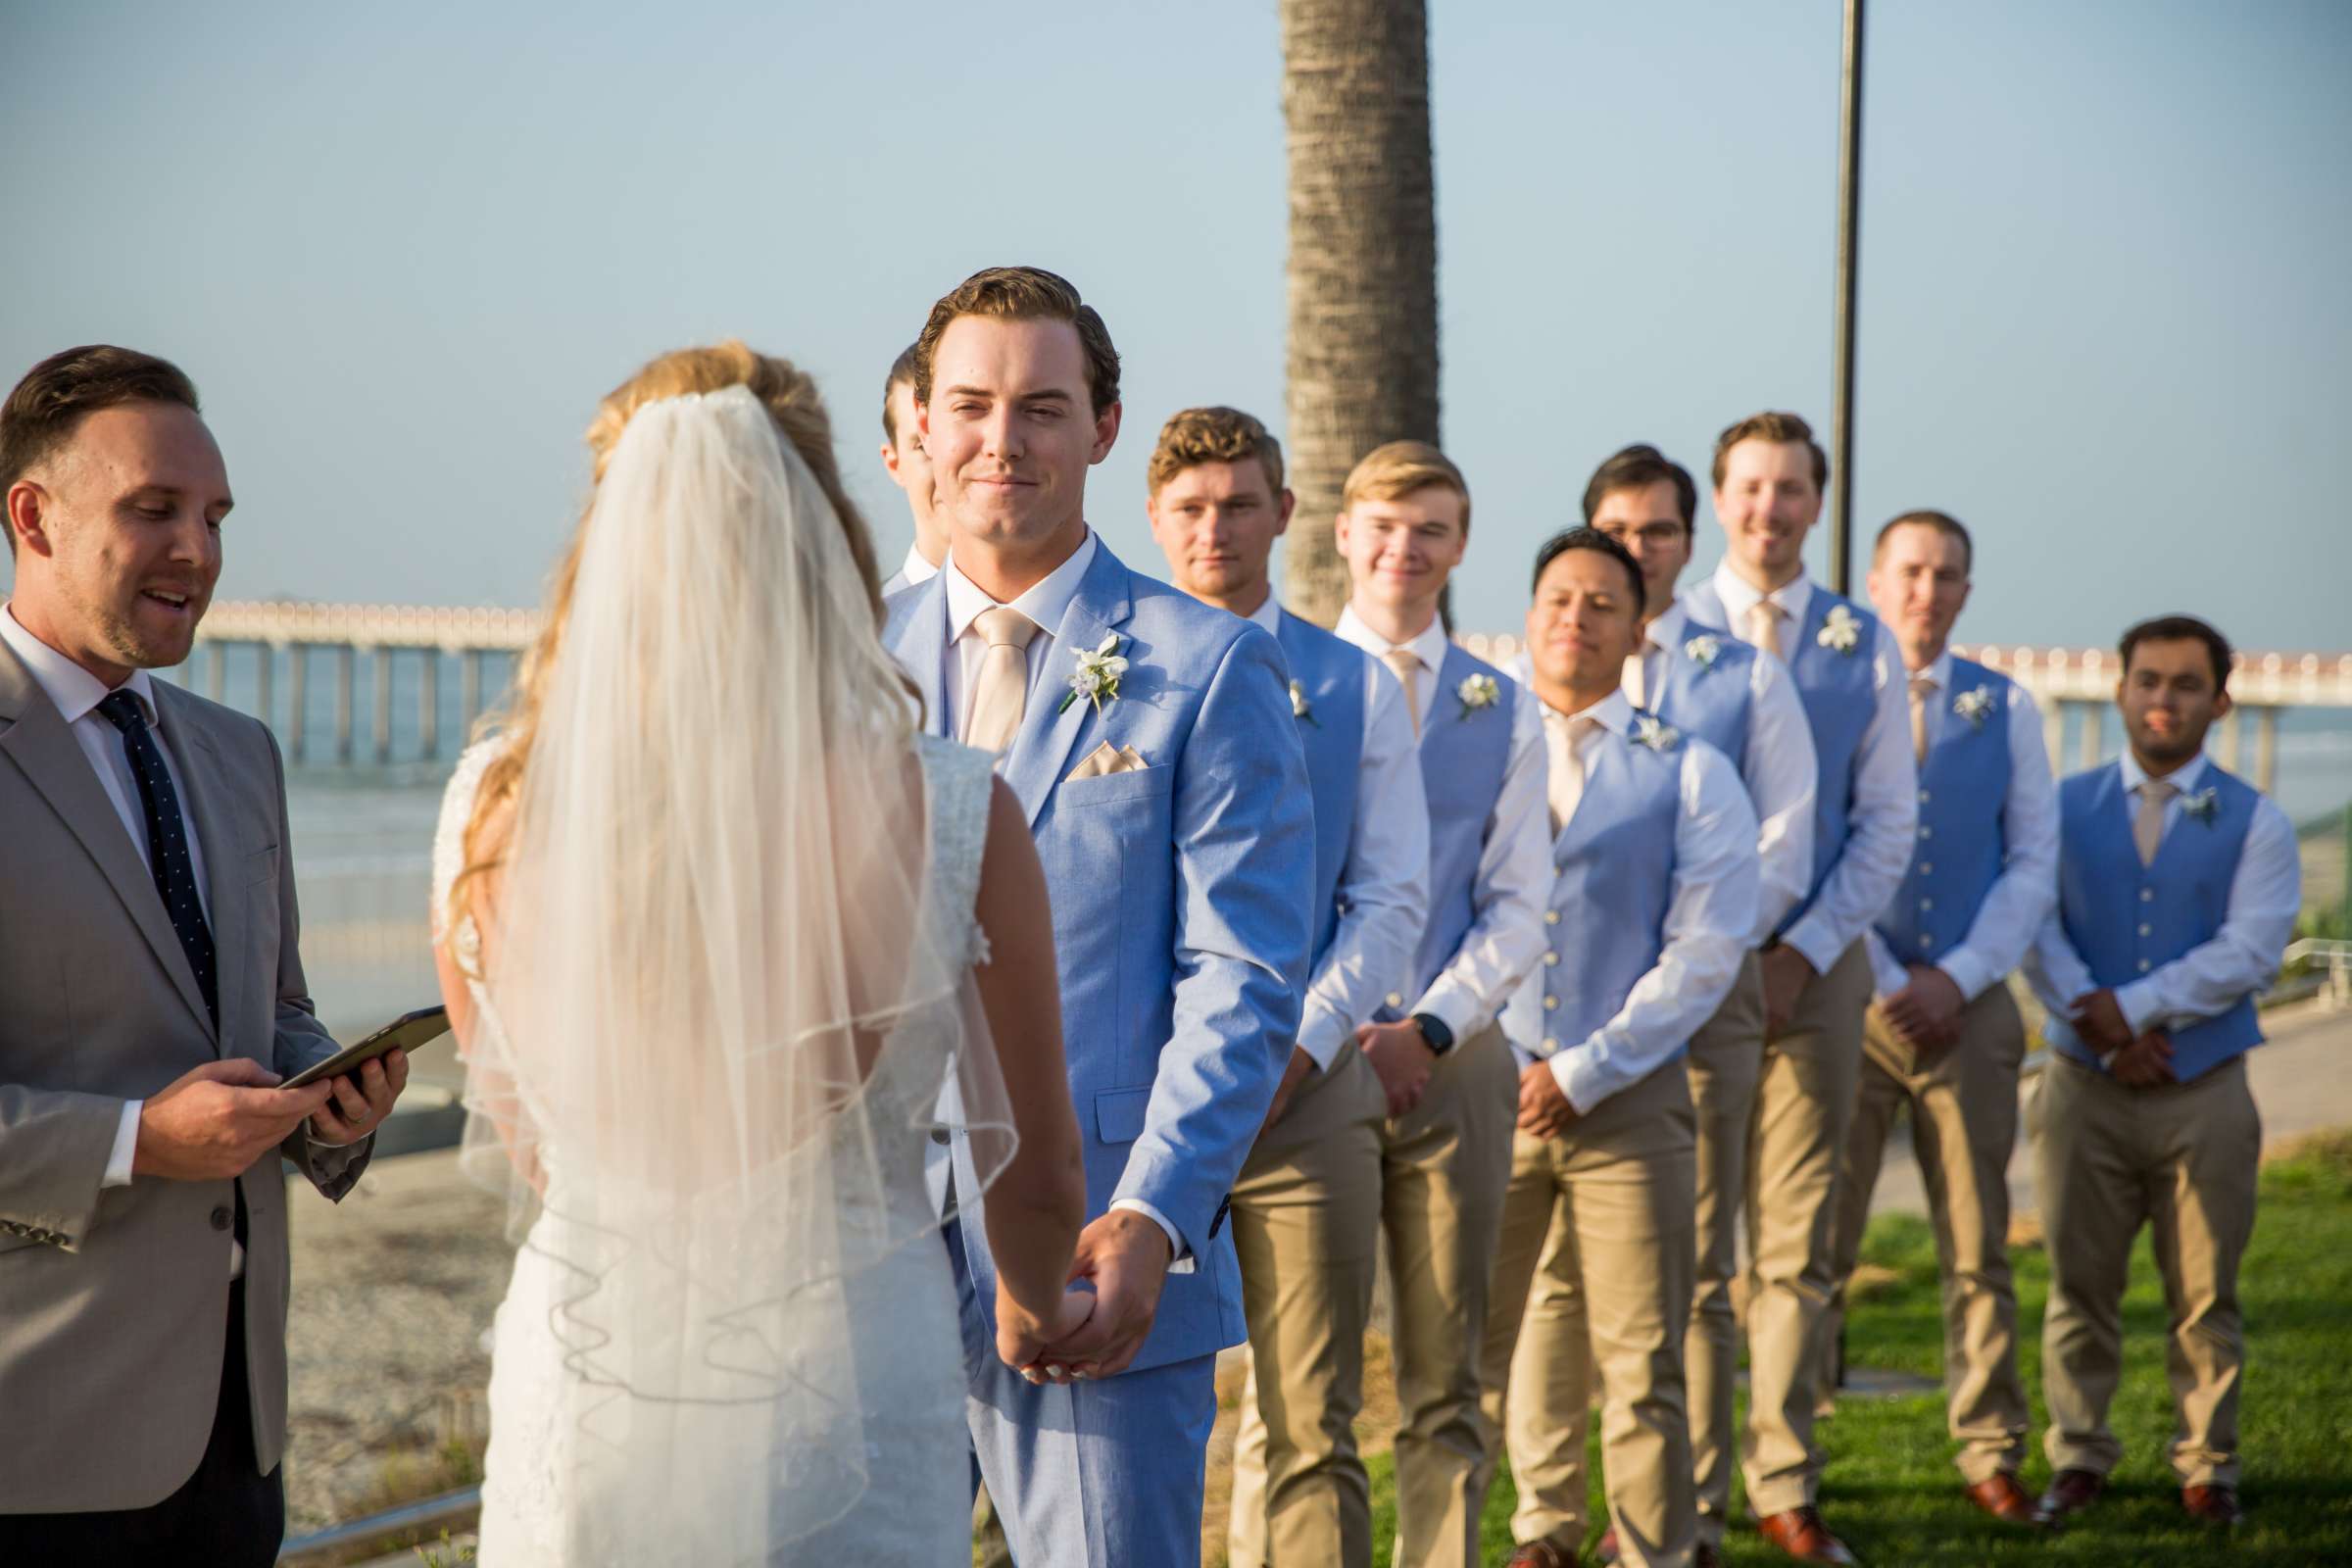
(725, 943)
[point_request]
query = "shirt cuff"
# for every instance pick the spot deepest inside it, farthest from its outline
(127, 1146)
(1886, 976)
(2139, 1004)
(1811, 938)
(1451, 1006)
(1321, 1034)
(1967, 974)
(1180, 1260)
(1575, 1071)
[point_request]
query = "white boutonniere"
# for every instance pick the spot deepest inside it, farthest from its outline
(1842, 633)
(1301, 708)
(1973, 705)
(1477, 692)
(1651, 731)
(1096, 677)
(2203, 804)
(1703, 650)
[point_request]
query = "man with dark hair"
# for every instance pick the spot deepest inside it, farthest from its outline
(902, 456)
(1649, 908)
(1943, 1038)
(152, 1010)
(1712, 685)
(1848, 672)
(2178, 888)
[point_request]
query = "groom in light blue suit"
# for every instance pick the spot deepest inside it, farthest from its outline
(1168, 796)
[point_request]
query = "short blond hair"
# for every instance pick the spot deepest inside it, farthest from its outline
(1400, 467)
(1194, 436)
(1781, 429)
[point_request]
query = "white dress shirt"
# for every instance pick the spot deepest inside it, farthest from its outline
(1044, 603)
(1779, 771)
(1384, 885)
(915, 568)
(2022, 897)
(2265, 897)
(1883, 819)
(1514, 867)
(1710, 921)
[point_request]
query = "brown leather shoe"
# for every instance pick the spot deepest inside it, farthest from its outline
(1801, 1535)
(2001, 1496)
(2071, 1491)
(2211, 1505)
(1542, 1554)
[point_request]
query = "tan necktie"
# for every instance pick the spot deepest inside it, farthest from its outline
(1921, 689)
(1002, 692)
(2147, 828)
(1764, 626)
(1637, 667)
(1407, 665)
(1563, 738)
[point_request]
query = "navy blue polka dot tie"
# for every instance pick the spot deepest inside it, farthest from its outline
(167, 843)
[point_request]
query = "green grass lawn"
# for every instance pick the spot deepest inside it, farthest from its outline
(1891, 1492)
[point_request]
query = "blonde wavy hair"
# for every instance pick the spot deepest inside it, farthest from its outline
(791, 398)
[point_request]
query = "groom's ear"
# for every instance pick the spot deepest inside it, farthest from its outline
(1106, 431)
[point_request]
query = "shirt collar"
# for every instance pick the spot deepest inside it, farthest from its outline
(1738, 596)
(71, 689)
(1429, 647)
(2182, 778)
(1268, 615)
(1939, 674)
(1667, 630)
(1613, 713)
(916, 568)
(1044, 603)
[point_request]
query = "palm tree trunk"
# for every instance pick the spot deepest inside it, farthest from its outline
(1363, 263)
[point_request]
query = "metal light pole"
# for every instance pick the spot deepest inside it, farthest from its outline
(1850, 223)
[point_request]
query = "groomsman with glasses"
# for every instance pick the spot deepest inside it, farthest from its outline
(1769, 472)
(1443, 1068)
(1306, 1210)
(1652, 874)
(2178, 888)
(1943, 1036)
(1713, 686)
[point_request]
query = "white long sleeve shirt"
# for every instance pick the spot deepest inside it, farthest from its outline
(2022, 896)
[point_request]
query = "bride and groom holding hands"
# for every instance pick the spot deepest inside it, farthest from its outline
(789, 934)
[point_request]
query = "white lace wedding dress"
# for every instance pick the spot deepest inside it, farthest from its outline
(905, 1338)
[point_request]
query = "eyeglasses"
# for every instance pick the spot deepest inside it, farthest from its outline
(1649, 533)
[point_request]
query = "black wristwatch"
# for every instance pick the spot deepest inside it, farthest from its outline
(1433, 1029)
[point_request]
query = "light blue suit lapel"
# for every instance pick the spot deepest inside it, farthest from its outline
(1049, 730)
(923, 650)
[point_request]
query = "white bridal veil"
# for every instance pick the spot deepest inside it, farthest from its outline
(723, 1014)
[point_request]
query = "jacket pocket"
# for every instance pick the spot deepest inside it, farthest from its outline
(1119, 1114)
(1137, 784)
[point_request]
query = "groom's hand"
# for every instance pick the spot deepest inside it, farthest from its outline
(1125, 1257)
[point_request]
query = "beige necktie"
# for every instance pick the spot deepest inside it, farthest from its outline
(1637, 670)
(1002, 692)
(1407, 665)
(1921, 689)
(1563, 737)
(1764, 626)
(2147, 828)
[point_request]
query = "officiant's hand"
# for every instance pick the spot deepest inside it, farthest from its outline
(361, 1100)
(1023, 1338)
(1125, 1257)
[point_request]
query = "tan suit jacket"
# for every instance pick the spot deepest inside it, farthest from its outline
(113, 1303)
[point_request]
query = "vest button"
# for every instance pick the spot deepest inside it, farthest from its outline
(1551, 959)
(1551, 1004)
(1925, 832)
(2143, 967)
(1396, 1001)
(1927, 869)
(1925, 905)
(1922, 796)
(2148, 894)
(1551, 917)
(219, 1216)
(2146, 930)
(1551, 1044)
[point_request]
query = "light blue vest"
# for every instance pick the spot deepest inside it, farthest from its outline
(1963, 787)
(1839, 691)
(1464, 758)
(2126, 919)
(1613, 877)
(1328, 672)
(1710, 701)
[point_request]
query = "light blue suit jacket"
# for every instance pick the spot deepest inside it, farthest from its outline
(1183, 902)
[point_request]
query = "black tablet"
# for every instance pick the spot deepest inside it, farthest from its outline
(405, 1033)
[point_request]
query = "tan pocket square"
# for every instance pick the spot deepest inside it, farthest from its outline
(1103, 760)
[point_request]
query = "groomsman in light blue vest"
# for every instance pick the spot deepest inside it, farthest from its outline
(1769, 472)
(1653, 875)
(1306, 1210)
(1445, 1149)
(1943, 1036)
(1719, 689)
(2178, 888)
(1151, 742)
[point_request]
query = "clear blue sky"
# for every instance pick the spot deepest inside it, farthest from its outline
(404, 249)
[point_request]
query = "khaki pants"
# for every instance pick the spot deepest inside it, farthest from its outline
(1307, 1226)
(1963, 1104)
(1796, 1141)
(2182, 1159)
(1727, 1057)
(1598, 1224)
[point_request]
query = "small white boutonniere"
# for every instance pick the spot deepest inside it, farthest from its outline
(1703, 650)
(2203, 804)
(1477, 692)
(1973, 705)
(1842, 633)
(1096, 677)
(1651, 731)
(1301, 708)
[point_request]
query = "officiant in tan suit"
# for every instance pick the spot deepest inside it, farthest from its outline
(151, 999)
